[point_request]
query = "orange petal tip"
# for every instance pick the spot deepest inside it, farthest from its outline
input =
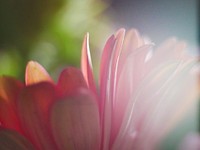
(36, 73)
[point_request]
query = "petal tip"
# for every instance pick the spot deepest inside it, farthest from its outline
(35, 73)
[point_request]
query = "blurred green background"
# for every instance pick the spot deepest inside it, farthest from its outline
(49, 31)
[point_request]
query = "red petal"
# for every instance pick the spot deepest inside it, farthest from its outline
(9, 91)
(70, 80)
(36, 73)
(10, 140)
(34, 106)
(75, 122)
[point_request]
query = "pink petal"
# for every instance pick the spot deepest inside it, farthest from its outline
(34, 105)
(105, 105)
(11, 140)
(111, 84)
(115, 61)
(136, 101)
(36, 73)
(169, 50)
(129, 80)
(70, 80)
(86, 64)
(9, 91)
(104, 69)
(132, 41)
(162, 96)
(75, 122)
(116, 101)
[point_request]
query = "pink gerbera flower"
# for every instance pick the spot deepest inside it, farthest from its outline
(143, 93)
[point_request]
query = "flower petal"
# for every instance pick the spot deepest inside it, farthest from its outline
(115, 61)
(163, 96)
(36, 73)
(171, 49)
(129, 79)
(9, 91)
(70, 80)
(124, 46)
(104, 70)
(104, 105)
(86, 64)
(33, 107)
(10, 140)
(132, 42)
(75, 122)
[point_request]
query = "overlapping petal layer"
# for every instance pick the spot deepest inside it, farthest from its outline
(143, 94)
(75, 122)
(46, 113)
(34, 108)
(9, 92)
(140, 88)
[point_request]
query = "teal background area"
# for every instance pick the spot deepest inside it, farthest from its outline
(160, 19)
